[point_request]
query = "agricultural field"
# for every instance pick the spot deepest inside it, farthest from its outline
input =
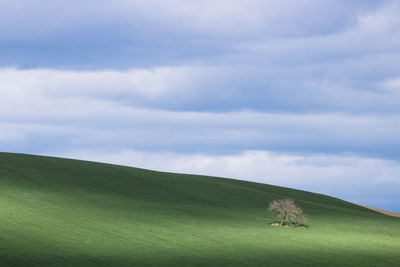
(62, 212)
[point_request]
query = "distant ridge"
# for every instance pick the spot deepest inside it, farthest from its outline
(390, 213)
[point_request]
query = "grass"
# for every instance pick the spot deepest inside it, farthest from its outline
(56, 212)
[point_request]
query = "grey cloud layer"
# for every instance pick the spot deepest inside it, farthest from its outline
(196, 83)
(130, 33)
(94, 109)
(345, 69)
(214, 89)
(243, 17)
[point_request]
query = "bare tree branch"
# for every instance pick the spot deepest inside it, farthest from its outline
(287, 212)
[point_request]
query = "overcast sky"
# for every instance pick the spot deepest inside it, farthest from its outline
(303, 94)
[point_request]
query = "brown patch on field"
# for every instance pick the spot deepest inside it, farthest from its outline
(394, 214)
(288, 226)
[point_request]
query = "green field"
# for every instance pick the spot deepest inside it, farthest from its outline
(67, 212)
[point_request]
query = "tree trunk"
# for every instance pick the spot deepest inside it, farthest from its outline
(283, 219)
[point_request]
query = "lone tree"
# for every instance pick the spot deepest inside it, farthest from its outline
(287, 212)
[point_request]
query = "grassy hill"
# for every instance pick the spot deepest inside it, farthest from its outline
(67, 212)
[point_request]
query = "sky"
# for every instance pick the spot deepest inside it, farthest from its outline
(302, 94)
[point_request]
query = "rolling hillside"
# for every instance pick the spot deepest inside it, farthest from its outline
(67, 212)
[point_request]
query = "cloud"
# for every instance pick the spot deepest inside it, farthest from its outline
(392, 86)
(210, 56)
(249, 18)
(244, 17)
(364, 180)
(139, 109)
(8, 134)
(203, 88)
(150, 83)
(133, 33)
(380, 22)
(82, 119)
(334, 71)
(372, 33)
(201, 78)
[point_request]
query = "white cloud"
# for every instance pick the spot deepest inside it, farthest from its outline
(392, 86)
(348, 176)
(212, 88)
(150, 83)
(260, 166)
(9, 133)
(93, 108)
(49, 93)
(385, 20)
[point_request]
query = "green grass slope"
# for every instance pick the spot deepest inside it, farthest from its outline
(56, 212)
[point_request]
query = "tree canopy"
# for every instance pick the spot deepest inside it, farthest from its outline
(287, 212)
